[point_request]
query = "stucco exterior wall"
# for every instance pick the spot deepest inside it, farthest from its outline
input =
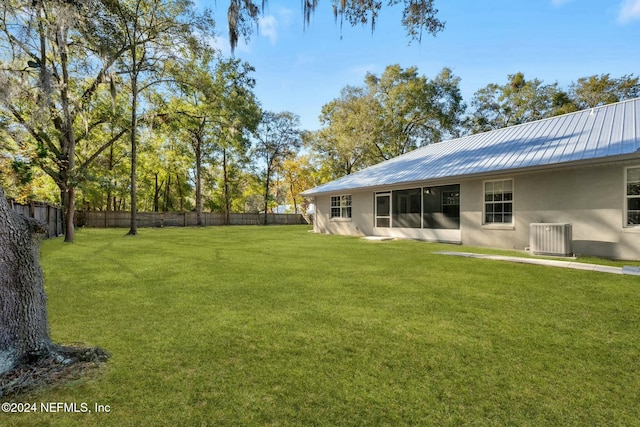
(591, 198)
(360, 223)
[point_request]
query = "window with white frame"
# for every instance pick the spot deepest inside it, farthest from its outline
(341, 206)
(633, 196)
(498, 202)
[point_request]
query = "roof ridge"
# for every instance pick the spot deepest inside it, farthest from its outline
(584, 110)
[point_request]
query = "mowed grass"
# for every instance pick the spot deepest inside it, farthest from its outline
(263, 326)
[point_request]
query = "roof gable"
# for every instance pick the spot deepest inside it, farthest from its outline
(597, 133)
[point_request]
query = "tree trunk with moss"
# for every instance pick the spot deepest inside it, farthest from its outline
(28, 358)
(23, 303)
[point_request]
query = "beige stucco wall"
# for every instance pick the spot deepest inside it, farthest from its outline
(360, 224)
(591, 198)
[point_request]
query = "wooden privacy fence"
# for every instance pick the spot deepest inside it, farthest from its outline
(44, 212)
(103, 219)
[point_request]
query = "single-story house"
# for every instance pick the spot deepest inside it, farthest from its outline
(564, 185)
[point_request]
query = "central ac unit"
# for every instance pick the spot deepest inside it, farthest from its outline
(550, 239)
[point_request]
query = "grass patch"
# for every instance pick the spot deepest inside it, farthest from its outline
(277, 326)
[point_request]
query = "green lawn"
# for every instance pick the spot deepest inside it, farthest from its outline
(277, 326)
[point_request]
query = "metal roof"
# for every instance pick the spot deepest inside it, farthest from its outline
(587, 135)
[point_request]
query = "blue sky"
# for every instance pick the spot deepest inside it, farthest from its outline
(553, 40)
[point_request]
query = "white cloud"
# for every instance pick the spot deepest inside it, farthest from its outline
(269, 28)
(629, 11)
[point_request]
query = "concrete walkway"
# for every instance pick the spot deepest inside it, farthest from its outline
(635, 271)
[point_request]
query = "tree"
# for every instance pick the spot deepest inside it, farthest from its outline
(165, 163)
(106, 186)
(12, 168)
(55, 62)
(517, 101)
(277, 139)
(593, 91)
(521, 100)
(298, 176)
(23, 316)
(152, 32)
(238, 115)
(343, 145)
(24, 329)
(214, 108)
(414, 111)
(392, 114)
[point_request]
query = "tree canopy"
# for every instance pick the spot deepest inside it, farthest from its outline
(522, 100)
(391, 114)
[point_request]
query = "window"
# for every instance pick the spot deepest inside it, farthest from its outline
(498, 202)
(633, 196)
(341, 206)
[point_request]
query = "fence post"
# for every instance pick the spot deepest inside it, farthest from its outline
(48, 220)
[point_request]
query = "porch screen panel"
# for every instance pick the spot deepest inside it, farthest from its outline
(407, 208)
(383, 210)
(441, 207)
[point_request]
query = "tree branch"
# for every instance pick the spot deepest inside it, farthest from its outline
(106, 145)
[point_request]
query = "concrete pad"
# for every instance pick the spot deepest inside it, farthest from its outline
(634, 271)
(550, 263)
(377, 238)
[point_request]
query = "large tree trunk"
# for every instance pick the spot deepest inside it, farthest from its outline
(28, 358)
(69, 210)
(23, 308)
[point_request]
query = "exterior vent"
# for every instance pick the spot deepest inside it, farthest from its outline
(550, 239)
